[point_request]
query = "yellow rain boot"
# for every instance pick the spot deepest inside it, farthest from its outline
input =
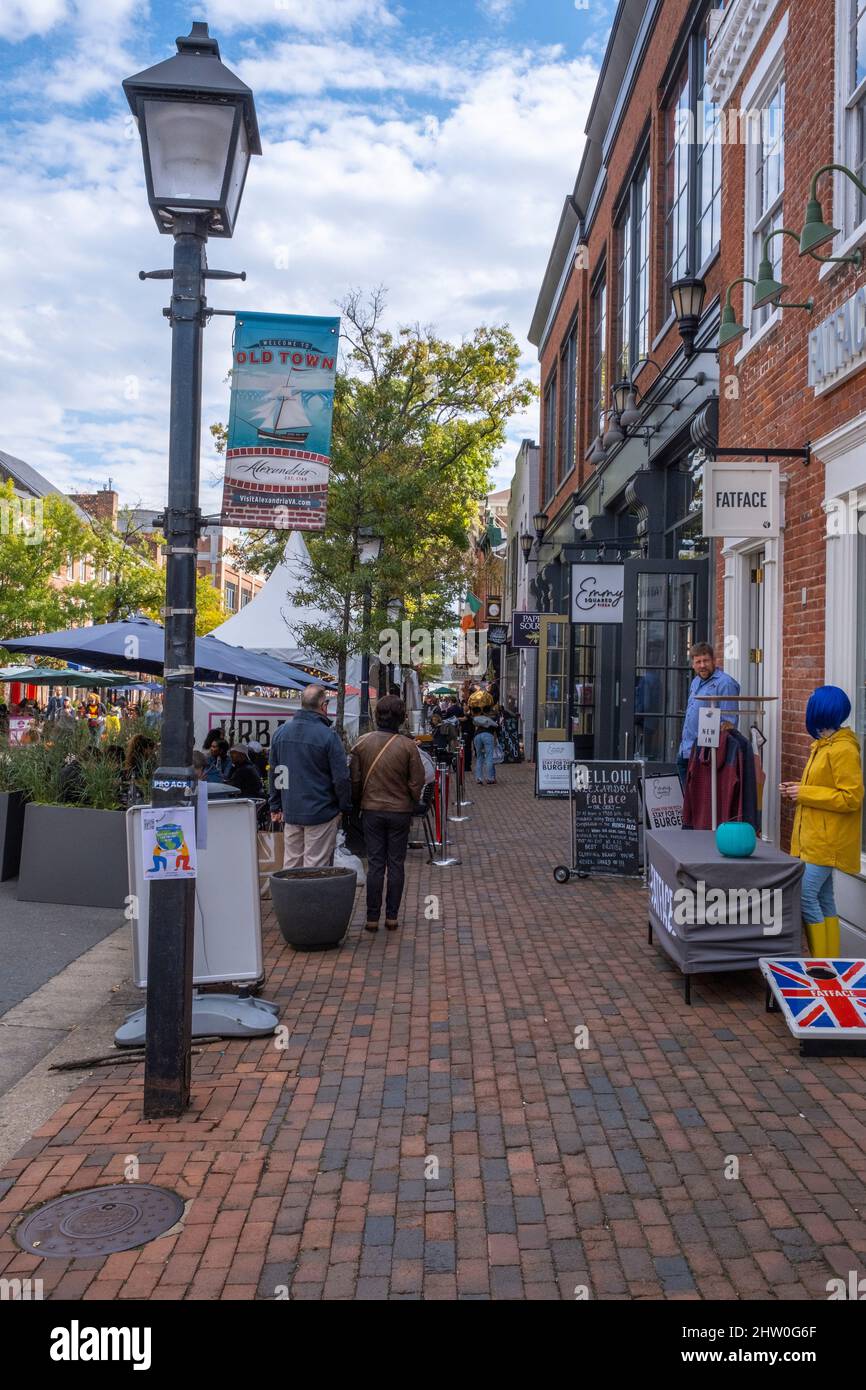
(832, 942)
(816, 937)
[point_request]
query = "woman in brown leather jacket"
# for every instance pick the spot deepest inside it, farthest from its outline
(387, 782)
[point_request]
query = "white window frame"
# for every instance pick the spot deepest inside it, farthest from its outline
(769, 72)
(844, 191)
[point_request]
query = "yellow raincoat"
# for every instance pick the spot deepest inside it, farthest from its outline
(827, 819)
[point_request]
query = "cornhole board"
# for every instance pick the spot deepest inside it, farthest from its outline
(822, 1001)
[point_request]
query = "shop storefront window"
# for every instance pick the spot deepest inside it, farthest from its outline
(583, 667)
(664, 633)
(685, 540)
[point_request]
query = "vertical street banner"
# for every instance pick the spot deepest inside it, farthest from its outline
(278, 451)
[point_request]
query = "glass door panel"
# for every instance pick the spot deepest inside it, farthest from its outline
(553, 637)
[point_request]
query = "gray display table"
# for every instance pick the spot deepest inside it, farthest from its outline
(714, 913)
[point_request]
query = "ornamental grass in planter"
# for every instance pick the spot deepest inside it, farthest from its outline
(74, 842)
(12, 803)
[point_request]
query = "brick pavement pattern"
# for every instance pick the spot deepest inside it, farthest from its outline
(430, 1130)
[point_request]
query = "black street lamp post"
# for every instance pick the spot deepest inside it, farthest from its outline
(198, 129)
(369, 550)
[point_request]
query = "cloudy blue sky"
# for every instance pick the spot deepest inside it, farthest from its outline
(424, 145)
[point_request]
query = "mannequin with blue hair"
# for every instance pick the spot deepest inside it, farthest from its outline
(829, 796)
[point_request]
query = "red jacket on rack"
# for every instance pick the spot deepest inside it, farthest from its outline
(736, 787)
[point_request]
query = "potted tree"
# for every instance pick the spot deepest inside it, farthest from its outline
(313, 906)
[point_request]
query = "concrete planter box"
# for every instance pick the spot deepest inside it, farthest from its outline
(72, 854)
(11, 833)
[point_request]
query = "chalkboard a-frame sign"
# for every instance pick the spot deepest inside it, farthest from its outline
(607, 809)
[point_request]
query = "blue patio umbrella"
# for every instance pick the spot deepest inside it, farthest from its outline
(138, 644)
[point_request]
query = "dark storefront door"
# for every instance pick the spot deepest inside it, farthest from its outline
(665, 611)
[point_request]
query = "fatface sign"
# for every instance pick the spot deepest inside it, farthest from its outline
(837, 347)
(278, 451)
(597, 593)
(741, 498)
(525, 629)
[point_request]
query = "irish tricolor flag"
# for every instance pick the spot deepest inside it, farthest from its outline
(471, 606)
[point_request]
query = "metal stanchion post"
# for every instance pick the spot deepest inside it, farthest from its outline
(444, 860)
(461, 773)
(458, 787)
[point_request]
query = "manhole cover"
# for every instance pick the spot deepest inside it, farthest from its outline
(100, 1220)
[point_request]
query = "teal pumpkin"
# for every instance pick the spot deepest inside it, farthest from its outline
(736, 839)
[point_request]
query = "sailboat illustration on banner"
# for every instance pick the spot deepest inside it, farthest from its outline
(284, 419)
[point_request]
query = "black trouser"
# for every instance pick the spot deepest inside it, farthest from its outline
(387, 837)
(467, 750)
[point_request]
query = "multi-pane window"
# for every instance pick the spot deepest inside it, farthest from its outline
(708, 159)
(693, 167)
(852, 42)
(550, 439)
(231, 597)
(677, 184)
(598, 357)
(633, 263)
(567, 402)
(766, 171)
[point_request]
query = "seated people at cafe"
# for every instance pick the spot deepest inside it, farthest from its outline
(243, 775)
(219, 764)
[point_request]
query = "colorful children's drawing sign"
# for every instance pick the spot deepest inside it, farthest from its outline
(168, 847)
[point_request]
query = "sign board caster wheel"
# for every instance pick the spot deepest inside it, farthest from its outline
(581, 873)
(561, 873)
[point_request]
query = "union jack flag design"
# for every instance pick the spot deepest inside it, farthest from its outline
(820, 996)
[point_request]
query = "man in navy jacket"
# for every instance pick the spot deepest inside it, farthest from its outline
(309, 783)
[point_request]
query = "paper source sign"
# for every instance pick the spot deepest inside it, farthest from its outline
(740, 498)
(597, 593)
(524, 629)
(278, 451)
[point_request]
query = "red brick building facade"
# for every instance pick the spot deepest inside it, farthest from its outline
(707, 127)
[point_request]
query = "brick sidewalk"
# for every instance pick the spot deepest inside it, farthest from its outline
(453, 1040)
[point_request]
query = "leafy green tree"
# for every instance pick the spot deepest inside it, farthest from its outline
(417, 422)
(37, 536)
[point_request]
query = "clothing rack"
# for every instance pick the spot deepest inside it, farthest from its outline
(742, 702)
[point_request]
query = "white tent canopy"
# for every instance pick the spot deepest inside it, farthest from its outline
(270, 621)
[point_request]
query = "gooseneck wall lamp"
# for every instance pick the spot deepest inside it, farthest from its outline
(815, 230)
(198, 130)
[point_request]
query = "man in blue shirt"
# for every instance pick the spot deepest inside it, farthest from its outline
(709, 679)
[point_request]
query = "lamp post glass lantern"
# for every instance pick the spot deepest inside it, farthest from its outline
(688, 295)
(198, 129)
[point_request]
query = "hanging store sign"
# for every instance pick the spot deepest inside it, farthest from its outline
(524, 629)
(741, 498)
(597, 593)
(837, 347)
(497, 634)
(278, 451)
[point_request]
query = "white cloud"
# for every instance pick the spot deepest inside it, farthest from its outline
(309, 16)
(450, 203)
(307, 69)
(497, 9)
(20, 19)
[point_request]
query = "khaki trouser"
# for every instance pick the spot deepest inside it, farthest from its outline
(310, 846)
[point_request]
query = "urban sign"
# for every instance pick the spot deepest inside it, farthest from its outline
(554, 761)
(597, 593)
(607, 813)
(279, 434)
(525, 629)
(837, 346)
(497, 634)
(741, 498)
